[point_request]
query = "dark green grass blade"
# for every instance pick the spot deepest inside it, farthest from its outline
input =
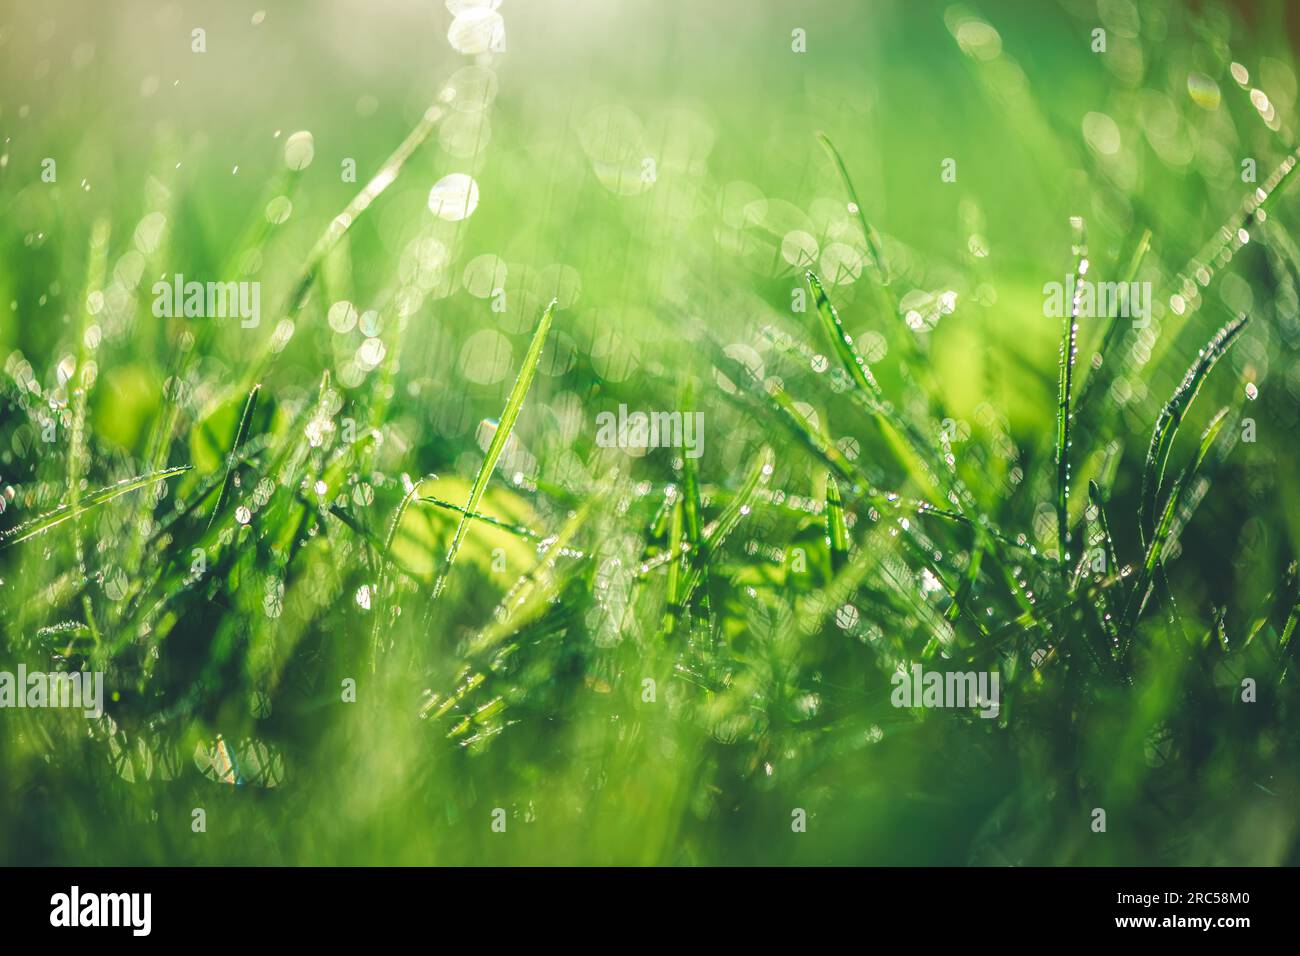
(673, 594)
(841, 341)
(241, 435)
(691, 480)
(504, 427)
(837, 535)
(1103, 605)
(902, 438)
(1171, 416)
(1112, 558)
(1146, 576)
(1284, 651)
(720, 529)
(516, 529)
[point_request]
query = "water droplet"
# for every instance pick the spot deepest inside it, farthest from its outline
(299, 150)
(454, 197)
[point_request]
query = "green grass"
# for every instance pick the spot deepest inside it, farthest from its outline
(363, 574)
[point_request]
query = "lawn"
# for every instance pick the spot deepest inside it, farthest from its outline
(650, 433)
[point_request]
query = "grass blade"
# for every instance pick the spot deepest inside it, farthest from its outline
(841, 341)
(385, 555)
(62, 513)
(868, 231)
(1146, 576)
(1171, 416)
(691, 479)
(1284, 644)
(901, 437)
(672, 597)
(1113, 324)
(517, 530)
(1065, 385)
(837, 535)
(341, 224)
(504, 427)
(241, 435)
(719, 530)
(1100, 536)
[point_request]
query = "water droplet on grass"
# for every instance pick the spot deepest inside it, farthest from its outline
(454, 197)
(342, 316)
(299, 150)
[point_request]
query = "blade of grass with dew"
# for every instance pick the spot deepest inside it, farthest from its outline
(241, 435)
(1031, 618)
(902, 438)
(719, 530)
(45, 522)
(364, 533)
(339, 227)
(967, 585)
(1284, 652)
(663, 514)
(517, 530)
(672, 598)
(1219, 250)
(1265, 609)
(96, 268)
(857, 367)
(937, 625)
(1064, 416)
(868, 231)
(504, 427)
(778, 401)
(1171, 416)
(837, 535)
(385, 553)
(1105, 612)
(1111, 333)
(692, 551)
(1141, 592)
(775, 398)
(534, 590)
